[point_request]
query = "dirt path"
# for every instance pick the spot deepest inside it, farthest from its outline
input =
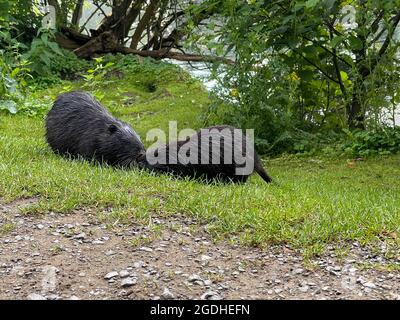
(76, 257)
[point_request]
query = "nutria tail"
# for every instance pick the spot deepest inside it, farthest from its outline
(261, 171)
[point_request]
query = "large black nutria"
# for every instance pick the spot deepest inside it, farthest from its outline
(219, 153)
(79, 126)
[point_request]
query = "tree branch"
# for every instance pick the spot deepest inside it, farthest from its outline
(147, 16)
(165, 53)
(316, 66)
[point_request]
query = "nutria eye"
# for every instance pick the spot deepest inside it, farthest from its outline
(112, 128)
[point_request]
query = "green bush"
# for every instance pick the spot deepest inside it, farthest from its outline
(379, 141)
(49, 63)
(13, 71)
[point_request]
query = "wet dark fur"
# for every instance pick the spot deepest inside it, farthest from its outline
(221, 172)
(79, 126)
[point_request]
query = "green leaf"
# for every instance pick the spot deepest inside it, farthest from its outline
(54, 46)
(44, 38)
(8, 105)
(108, 64)
(311, 3)
(335, 41)
(355, 43)
(344, 75)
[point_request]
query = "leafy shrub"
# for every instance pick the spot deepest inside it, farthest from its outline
(13, 71)
(97, 73)
(49, 63)
(43, 54)
(379, 141)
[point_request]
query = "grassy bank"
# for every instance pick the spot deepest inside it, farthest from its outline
(315, 202)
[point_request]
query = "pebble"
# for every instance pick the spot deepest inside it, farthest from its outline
(194, 277)
(124, 273)
(369, 285)
(207, 282)
(167, 294)
(80, 236)
(146, 249)
(35, 296)
(211, 295)
(49, 280)
(298, 271)
(205, 257)
(304, 288)
(111, 275)
(128, 282)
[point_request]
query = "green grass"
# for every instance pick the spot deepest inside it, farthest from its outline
(315, 202)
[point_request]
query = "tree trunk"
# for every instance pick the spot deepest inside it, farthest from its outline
(356, 116)
(143, 23)
(77, 14)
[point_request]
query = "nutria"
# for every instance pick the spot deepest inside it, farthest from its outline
(79, 126)
(223, 149)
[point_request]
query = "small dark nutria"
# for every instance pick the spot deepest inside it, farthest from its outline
(79, 126)
(214, 153)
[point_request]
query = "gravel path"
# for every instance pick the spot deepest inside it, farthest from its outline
(75, 256)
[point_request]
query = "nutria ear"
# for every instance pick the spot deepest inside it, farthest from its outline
(112, 128)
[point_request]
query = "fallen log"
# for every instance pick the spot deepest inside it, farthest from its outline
(106, 42)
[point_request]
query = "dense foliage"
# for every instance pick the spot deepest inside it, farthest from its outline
(306, 73)
(306, 66)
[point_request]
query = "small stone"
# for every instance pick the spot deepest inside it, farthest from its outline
(80, 236)
(124, 273)
(146, 249)
(194, 277)
(304, 288)
(211, 295)
(369, 285)
(109, 253)
(35, 296)
(298, 271)
(138, 264)
(49, 280)
(40, 226)
(111, 275)
(167, 294)
(205, 257)
(128, 282)
(74, 298)
(207, 282)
